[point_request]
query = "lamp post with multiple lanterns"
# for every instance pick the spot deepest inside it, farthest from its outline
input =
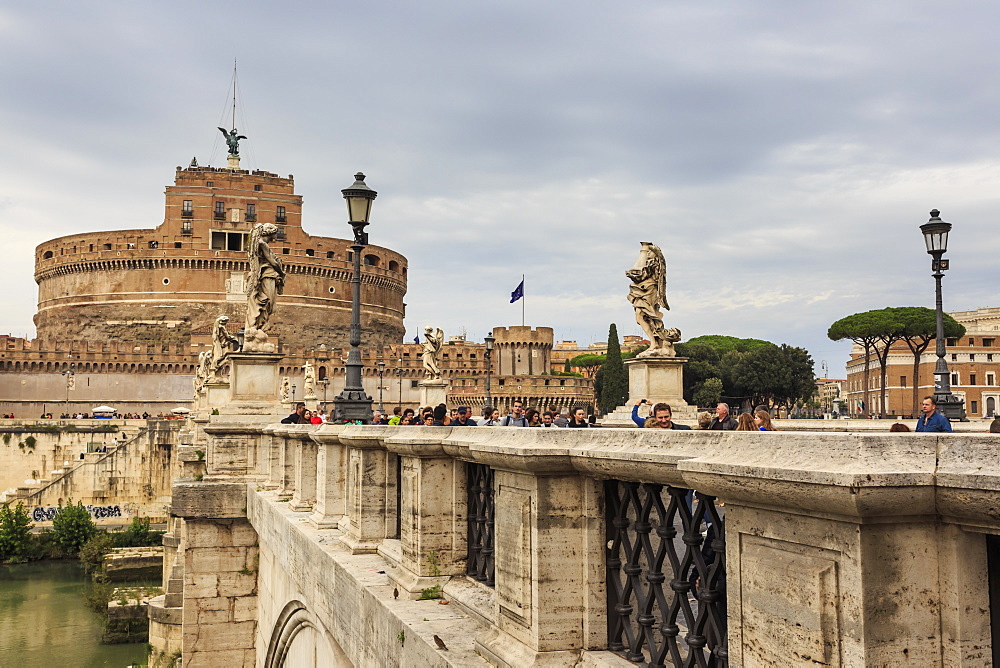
(381, 372)
(353, 404)
(935, 233)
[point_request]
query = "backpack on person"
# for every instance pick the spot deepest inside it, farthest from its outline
(510, 421)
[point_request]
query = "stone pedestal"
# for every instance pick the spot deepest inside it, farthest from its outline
(311, 402)
(656, 379)
(253, 383)
(433, 392)
(234, 162)
(216, 396)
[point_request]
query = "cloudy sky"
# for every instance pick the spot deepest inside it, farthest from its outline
(782, 154)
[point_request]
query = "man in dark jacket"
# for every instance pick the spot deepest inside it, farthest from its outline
(463, 419)
(297, 416)
(661, 419)
(722, 421)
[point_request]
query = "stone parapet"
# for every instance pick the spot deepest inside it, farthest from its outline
(821, 532)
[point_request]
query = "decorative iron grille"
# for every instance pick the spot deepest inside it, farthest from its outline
(481, 514)
(680, 543)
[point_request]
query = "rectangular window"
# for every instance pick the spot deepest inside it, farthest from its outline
(954, 379)
(954, 357)
(251, 213)
(280, 215)
(186, 228)
(902, 381)
(210, 184)
(972, 342)
(991, 379)
(413, 384)
(257, 187)
(231, 241)
(988, 343)
(187, 210)
(951, 342)
(220, 210)
(989, 357)
(972, 379)
(975, 407)
(972, 357)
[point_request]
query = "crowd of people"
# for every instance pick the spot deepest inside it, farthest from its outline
(462, 416)
(661, 417)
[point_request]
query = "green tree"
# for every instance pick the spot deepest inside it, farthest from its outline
(72, 527)
(703, 364)
(15, 533)
(919, 328)
(589, 362)
(707, 392)
(862, 329)
(614, 390)
(724, 344)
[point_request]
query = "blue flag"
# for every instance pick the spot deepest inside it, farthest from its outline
(416, 339)
(518, 292)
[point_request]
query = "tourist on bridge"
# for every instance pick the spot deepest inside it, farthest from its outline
(722, 421)
(516, 416)
(578, 419)
(463, 419)
(661, 418)
(932, 420)
(298, 416)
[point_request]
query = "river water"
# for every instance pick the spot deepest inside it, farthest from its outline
(44, 622)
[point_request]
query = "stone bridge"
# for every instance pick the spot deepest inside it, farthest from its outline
(438, 546)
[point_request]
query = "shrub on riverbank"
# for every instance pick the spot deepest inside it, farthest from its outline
(73, 527)
(15, 534)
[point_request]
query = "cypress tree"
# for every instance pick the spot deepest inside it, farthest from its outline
(614, 389)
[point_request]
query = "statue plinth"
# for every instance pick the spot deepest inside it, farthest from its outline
(253, 380)
(216, 395)
(234, 162)
(311, 401)
(433, 392)
(657, 379)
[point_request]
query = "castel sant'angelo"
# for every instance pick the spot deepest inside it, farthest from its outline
(123, 314)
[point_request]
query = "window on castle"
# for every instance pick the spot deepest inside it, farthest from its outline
(209, 184)
(988, 343)
(220, 210)
(972, 357)
(991, 379)
(310, 252)
(286, 251)
(187, 209)
(972, 380)
(975, 407)
(413, 384)
(251, 213)
(902, 381)
(972, 342)
(951, 342)
(107, 246)
(257, 187)
(989, 357)
(232, 241)
(279, 217)
(954, 379)
(954, 357)
(178, 244)
(329, 255)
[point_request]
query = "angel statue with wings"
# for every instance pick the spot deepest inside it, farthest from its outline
(232, 140)
(647, 294)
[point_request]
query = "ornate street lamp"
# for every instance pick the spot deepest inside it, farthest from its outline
(935, 233)
(353, 403)
(381, 372)
(489, 364)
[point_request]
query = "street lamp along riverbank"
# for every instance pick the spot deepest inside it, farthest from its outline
(935, 233)
(353, 404)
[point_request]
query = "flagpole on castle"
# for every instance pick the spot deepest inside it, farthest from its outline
(522, 302)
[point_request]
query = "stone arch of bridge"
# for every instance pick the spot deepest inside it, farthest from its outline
(298, 639)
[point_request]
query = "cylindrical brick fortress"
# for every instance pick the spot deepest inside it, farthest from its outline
(167, 283)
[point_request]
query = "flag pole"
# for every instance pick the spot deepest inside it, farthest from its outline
(522, 300)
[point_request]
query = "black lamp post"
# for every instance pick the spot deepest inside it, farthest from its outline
(399, 377)
(381, 372)
(353, 403)
(935, 233)
(489, 364)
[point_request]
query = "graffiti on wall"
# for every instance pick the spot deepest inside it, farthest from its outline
(46, 513)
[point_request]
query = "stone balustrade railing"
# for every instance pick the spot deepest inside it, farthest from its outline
(837, 549)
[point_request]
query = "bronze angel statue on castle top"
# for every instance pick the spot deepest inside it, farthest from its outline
(647, 294)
